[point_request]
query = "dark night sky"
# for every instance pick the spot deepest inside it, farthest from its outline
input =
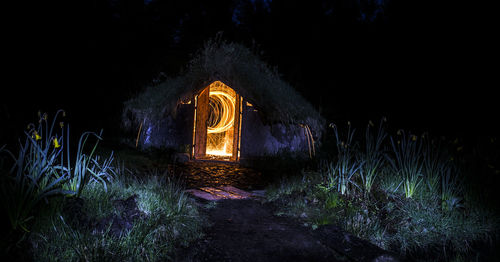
(424, 66)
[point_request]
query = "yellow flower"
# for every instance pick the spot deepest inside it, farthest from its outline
(61, 124)
(36, 136)
(414, 138)
(56, 143)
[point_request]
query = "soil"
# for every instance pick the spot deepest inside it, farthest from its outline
(248, 230)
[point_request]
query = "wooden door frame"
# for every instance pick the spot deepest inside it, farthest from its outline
(237, 128)
(200, 123)
(199, 146)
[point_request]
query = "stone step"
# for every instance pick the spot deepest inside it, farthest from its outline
(222, 192)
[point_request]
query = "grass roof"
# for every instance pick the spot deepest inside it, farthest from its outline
(236, 66)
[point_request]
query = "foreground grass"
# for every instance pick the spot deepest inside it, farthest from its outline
(167, 219)
(63, 204)
(412, 227)
(405, 194)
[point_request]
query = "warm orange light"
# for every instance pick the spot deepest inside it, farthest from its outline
(220, 124)
(222, 106)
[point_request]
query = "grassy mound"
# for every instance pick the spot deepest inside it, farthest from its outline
(236, 66)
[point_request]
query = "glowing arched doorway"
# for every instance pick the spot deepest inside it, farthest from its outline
(217, 123)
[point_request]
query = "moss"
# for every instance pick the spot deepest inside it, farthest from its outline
(236, 66)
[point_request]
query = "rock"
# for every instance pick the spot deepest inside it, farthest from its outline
(199, 174)
(181, 157)
(73, 211)
(127, 208)
(385, 258)
(259, 193)
(121, 222)
(218, 193)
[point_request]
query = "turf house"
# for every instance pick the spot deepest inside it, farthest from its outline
(226, 105)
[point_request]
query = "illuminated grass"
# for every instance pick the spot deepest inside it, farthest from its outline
(418, 205)
(341, 172)
(406, 161)
(422, 226)
(372, 157)
(43, 171)
(168, 218)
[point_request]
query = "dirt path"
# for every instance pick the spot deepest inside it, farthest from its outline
(247, 230)
(241, 227)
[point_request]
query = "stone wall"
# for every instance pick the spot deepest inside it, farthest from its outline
(257, 138)
(173, 132)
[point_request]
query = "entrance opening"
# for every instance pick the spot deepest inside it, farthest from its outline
(217, 123)
(220, 124)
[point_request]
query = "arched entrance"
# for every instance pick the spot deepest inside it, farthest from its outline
(217, 123)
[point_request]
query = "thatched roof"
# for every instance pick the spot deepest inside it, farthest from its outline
(238, 67)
